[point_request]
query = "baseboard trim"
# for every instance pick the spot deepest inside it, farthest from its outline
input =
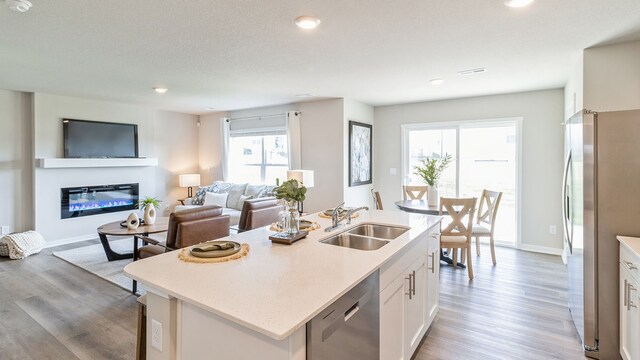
(541, 249)
(70, 240)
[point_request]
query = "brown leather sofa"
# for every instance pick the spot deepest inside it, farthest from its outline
(258, 213)
(186, 228)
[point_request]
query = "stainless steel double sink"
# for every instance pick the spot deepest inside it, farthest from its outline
(366, 236)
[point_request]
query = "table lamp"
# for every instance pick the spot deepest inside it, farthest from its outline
(303, 176)
(188, 181)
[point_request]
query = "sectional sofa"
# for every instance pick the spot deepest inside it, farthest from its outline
(230, 196)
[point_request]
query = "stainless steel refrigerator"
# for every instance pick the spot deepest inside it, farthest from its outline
(601, 199)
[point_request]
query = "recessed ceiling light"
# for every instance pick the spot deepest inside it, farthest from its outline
(209, 108)
(307, 22)
(304, 95)
(517, 3)
(437, 81)
(19, 5)
(160, 90)
(472, 71)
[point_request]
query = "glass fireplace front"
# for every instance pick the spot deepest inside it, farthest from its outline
(101, 199)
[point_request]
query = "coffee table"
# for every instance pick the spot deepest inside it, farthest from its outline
(114, 229)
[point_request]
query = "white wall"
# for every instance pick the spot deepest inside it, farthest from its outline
(169, 136)
(322, 133)
(612, 77)
(356, 111)
(16, 172)
(176, 147)
(542, 152)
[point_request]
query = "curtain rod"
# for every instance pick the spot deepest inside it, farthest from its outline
(261, 117)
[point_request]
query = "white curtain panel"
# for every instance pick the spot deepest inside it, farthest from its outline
(224, 130)
(293, 138)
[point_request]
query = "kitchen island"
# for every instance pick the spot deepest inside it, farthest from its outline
(258, 306)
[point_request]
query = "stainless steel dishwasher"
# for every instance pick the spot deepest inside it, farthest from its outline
(349, 328)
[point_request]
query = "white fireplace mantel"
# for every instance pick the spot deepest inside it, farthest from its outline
(60, 163)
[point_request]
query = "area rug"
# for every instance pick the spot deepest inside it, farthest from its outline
(92, 259)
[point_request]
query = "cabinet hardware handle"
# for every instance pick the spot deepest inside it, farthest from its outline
(626, 293)
(413, 289)
(433, 262)
(630, 303)
(630, 265)
(410, 293)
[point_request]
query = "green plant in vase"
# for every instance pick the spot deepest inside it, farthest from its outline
(430, 170)
(292, 192)
(149, 205)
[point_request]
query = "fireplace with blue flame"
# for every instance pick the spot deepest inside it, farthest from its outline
(100, 199)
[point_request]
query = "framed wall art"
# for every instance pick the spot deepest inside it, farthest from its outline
(360, 153)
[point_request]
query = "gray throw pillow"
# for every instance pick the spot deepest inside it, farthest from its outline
(241, 201)
(254, 190)
(235, 191)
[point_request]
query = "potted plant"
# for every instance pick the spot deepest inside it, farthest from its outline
(149, 205)
(292, 192)
(430, 170)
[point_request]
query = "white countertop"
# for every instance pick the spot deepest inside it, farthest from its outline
(277, 288)
(632, 243)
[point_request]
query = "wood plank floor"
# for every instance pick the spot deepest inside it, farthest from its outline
(515, 310)
(50, 309)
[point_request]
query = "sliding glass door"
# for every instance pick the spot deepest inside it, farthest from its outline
(485, 156)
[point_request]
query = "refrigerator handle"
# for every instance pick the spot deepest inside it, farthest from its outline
(565, 201)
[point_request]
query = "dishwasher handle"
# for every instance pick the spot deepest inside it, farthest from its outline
(340, 321)
(352, 311)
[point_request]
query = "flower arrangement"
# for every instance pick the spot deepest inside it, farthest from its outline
(431, 168)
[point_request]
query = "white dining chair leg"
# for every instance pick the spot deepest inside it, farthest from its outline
(454, 257)
(477, 245)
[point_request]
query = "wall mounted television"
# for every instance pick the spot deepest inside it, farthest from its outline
(96, 139)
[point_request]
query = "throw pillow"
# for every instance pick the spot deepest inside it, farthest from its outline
(254, 190)
(268, 191)
(235, 191)
(241, 201)
(198, 198)
(215, 199)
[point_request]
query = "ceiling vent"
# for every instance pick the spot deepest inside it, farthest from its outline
(18, 5)
(472, 71)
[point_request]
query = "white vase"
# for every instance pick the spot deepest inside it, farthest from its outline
(432, 196)
(133, 221)
(149, 214)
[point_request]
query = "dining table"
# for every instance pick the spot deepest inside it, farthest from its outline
(423, 207)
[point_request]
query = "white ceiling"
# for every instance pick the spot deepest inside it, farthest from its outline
(235, 54)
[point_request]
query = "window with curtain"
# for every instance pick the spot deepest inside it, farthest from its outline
(258, 158)
(258, 150)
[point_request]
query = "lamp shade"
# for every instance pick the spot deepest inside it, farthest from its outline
(187, 180)
(303, 176)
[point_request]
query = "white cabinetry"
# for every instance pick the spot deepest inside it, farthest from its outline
(409, 297)
(629, 299)
(433, 277)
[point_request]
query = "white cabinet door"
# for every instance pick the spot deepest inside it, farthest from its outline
(392, 318)
(433, 277)
(629, 316)
(416, 304)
